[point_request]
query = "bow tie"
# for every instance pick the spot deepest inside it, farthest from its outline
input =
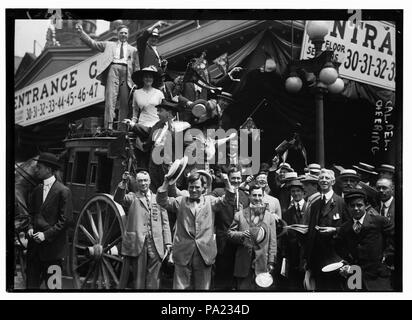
(194, 200)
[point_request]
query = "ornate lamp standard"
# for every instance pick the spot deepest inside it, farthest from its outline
(321, 76)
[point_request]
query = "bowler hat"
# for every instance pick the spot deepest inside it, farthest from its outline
(49, 159)
(138, 75)
(349, 173)
(355, 193)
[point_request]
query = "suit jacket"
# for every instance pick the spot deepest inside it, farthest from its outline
(391, 211)
(147, 55)
(318, 245)
(189, 94)
(266, 253)
(194, 229)
(109, 49)
(138, 215)
(292, 243)
(52, 218)
(367, 248)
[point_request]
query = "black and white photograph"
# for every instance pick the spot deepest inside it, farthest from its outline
(245, 151)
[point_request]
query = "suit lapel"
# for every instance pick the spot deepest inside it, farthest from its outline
(143, 201)
(50, 195)
(329, 205)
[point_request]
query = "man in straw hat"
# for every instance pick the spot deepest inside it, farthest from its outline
(50, 205)
(325, 218)
(366, 241)
(310, 187)
(292, 244)
(147, 238)
(194, 244)
(114, 70)
(254, 230)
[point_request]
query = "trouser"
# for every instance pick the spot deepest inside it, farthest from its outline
(38, 271)
(248, 282)
(117, 90)
(196, 271)
(145, 268)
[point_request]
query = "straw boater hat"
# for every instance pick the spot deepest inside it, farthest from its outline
(289, 176)
(176, 169)
(207, 175)
(285, 165)
(366, 168)
(49, 159)
(349, 173)
(295, 183)
(314, 168)
(137, 76)
(204, 110)
(386, 168)
(309, 178)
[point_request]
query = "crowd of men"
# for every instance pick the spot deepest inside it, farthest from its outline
(227, 229)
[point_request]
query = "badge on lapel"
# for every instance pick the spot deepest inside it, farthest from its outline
(336, 216)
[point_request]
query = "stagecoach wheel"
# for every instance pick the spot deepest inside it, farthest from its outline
(96, 261)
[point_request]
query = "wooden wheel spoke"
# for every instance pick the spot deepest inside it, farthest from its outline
(78, 246)
(118, 259)
(111, 271)
(88, 235)
(106, 236)
(99, 222)
(89, 273)
(105, 277)
(83, 263)
(113, 243)
(93, 224)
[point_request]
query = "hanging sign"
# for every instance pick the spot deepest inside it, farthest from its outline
(66, 91)
(366, 51)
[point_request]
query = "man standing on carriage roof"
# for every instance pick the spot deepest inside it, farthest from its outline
(50, 206)
(147, 238)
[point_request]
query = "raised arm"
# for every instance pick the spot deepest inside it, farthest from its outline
(120, 195)
(98, 45)
(169, 203)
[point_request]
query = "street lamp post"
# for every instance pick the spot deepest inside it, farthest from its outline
(321, 75)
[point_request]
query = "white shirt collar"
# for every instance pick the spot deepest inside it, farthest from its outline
(388, 202)
(119, 42)
(328, 195)
(49, 181)
(301, 203)
(361, 219)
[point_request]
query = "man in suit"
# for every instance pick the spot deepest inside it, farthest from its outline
(326, 217)
(256, 253)
(114, 69)
(310, 187)
(292, 243)
(50, 205)
(194, 244)
(147, 238)
(386, 206)
(147, 46)
(365, 241)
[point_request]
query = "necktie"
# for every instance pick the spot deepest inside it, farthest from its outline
(382, 212)
(121, 51)
(357, 226)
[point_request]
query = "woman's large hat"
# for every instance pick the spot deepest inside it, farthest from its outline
(49, 159)
(138, 75)
(176, 169)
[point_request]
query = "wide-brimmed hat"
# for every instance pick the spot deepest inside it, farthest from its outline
(49, 159)
(386, 168)
(309, 178)
(137, 76)
(169, 105)
(366, 168)
(349, 173)
(176, 169)
(289, 176)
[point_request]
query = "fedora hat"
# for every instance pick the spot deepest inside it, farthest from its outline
(49, 159)
(386, 168)
(365, 168)
(309, 178)
(138, 75)
(176, 169)
(349, 173)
